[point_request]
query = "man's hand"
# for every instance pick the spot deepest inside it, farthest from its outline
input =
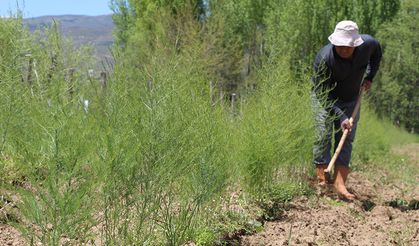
(346, 124)
(367, 85)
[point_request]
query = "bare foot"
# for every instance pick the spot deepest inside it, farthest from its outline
(321, 179)
(343, 192)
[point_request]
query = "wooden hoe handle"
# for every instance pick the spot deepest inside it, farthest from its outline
(345, 133)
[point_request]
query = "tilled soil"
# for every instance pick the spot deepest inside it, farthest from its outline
(327, 222)
(382, 215)
(10, 236)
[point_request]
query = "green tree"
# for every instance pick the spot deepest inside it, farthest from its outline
(396, 92)
(123, 19)
(301, 27)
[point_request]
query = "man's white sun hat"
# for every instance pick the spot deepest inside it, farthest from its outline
(346, 34)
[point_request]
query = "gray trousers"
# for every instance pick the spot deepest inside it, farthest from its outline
(327, 126)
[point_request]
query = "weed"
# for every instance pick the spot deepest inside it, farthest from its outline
(334, 202)
(367, 205)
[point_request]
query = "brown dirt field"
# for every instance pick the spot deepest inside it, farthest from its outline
(380, 216)
(10, 236)
(326, 221)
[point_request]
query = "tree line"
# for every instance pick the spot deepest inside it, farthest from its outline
(237, 36)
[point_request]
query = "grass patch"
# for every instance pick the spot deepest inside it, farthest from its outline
(375, 137)
(274, 201)
(374, 149)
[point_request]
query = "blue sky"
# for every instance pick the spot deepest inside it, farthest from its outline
(34, 8)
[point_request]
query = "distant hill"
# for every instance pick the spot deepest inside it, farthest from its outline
(82, 29)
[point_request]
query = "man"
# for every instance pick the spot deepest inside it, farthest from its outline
(350, 61)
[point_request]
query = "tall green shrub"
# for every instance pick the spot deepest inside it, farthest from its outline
(276, 129)
(47, 138)
(164, 146)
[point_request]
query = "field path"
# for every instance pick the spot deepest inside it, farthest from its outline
(384, 214)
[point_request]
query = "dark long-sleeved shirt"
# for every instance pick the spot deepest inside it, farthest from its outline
(343, 77)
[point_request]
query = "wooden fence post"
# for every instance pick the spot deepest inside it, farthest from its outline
(212, 99)
(70, 81)
(52, 68)
(221, 94)
(233, 101)
(30, 68)
(103, 80)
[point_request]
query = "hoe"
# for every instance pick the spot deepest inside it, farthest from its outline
(327, 171)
